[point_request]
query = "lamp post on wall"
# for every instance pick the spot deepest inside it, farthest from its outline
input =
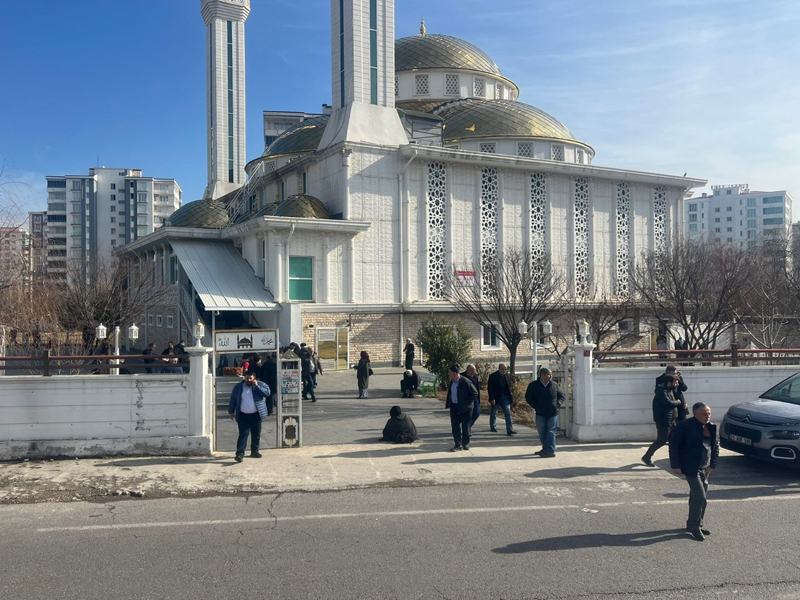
(547, 329)
(199, 332)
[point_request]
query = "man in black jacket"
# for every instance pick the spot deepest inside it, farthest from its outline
(693, 452)
(664, 405)
(461, 396)
(683, 410)
(471, 373)
(409, 383)
(499, 390)
(545, 398)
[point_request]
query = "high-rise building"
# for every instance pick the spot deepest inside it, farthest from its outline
(735, 214)
(276, 122)
(225, 70)
(37, 229)
(89, 216)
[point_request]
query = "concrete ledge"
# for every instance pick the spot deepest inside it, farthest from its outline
(613, 433)
(153, 446)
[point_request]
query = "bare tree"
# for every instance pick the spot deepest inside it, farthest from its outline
(696, 285)
(517, 287)
(111, 293)
(13, 243)
(606, 316)
(767, 309)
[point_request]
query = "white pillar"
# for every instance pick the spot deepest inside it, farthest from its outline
(583, 418)
(350, 272)
(201, 401)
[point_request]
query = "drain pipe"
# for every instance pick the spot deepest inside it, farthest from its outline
(403, 203)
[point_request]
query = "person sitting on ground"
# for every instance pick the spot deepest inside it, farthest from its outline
(409, 384)
(399, 429)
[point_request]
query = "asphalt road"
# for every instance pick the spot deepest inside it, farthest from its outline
(512, 541)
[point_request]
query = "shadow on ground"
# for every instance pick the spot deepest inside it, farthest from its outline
(594, 540)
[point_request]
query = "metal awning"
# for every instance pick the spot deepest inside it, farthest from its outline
(221, 277)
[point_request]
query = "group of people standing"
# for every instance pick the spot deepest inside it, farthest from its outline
(177, 360)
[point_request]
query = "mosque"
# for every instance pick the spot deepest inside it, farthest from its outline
(343, 231)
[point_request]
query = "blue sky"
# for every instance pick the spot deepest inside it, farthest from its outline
(708, 87)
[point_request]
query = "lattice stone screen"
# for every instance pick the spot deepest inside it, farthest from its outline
(437, 229)
(489, 228)
(659, 218)
(422, 88)
(489, 148)
(538, 219)
(581, 233)
(525, 149)
(557, 152)
(452, 86)
(479, 87)
(623, 237)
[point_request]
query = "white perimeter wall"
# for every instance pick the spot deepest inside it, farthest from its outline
(623, 398)
(101, 414)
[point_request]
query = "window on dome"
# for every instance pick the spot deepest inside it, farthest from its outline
(270, 167)
(301, 278)
(498, 91)
(479, 87)
(396, 86)
(525, 149)
(452, 86)
(579, 157)
(557, 152)
(489, 148)
(422, 88)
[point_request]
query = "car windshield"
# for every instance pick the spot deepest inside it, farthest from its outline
(787, 390)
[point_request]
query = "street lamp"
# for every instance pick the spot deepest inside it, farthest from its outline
(547, 329)
(101, 331)
(583, 332)
(199, 332)
(133, 333)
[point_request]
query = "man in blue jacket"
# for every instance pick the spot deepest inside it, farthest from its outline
(546, 399)
(243, 408)
(693, 452)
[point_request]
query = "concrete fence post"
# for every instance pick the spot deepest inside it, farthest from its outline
(582, 390)
(199, 390)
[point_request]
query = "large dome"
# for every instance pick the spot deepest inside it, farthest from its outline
(200, 214)
(302, 206)
(493, 119)
(441, 52)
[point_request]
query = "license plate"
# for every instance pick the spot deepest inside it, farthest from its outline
(740, 440)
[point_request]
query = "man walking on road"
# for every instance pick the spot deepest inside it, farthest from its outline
(243, 408)
(664, 405)
(460, 400)
(693, 452)
(499, 390)
(683, 410)
(471, 373)
(310, 366)
(545, 398)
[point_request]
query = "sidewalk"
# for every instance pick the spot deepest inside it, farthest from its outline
(341, 451)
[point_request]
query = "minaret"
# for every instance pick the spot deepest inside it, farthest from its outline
(362, 39)
(225, 94)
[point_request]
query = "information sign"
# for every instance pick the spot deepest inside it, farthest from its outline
(245, 340)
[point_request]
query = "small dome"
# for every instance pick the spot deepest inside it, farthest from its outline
(302, 206)
(441, 52)
(493, 119)
(200, 214)
(305, 136)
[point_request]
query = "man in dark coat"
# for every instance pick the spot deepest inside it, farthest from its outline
(183, 357)
(693, 452)
(545, 398)
(310, 367)
(461, 396)
(409, 383)
(149, 351)
(683, 410)
(664, 405)
(244, 410)
(399, 429)
(499, 390)
(409, 352)
(471, 373)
